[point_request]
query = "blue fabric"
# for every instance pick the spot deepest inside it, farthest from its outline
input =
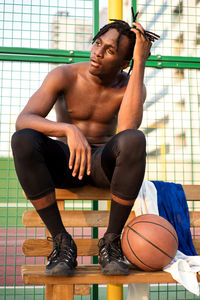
(172, 205)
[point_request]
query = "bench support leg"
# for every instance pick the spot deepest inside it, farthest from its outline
(114, 292)
(48, 292)
(64, 292)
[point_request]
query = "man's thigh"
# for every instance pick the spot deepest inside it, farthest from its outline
(98, 177)
(57, 160)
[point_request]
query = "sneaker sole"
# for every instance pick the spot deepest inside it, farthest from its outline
(114, 269)
(59, 270)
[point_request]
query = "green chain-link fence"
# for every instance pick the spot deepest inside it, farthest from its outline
(36, 36)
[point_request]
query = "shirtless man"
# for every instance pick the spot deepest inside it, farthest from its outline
(92, 99)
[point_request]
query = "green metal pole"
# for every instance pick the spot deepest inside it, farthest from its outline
(134, 5)
(96, 17)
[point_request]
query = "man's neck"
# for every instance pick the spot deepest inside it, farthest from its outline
(104, 80)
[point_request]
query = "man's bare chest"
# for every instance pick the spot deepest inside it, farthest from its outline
(88, 103)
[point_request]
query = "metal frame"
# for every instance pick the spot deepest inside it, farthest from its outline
(71, 56)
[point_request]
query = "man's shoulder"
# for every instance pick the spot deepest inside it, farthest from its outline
(68, 73)
(74, 68)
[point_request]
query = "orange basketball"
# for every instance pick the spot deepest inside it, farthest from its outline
(150, 242)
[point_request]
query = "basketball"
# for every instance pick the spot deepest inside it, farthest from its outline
(150, 242)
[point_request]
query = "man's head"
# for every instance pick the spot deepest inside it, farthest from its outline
(115, 36)
(124, 29)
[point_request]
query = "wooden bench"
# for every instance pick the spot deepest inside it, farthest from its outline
(85, 275)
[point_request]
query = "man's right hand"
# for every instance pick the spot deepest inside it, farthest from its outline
(80, 152)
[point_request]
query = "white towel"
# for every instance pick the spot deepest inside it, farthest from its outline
(183, 268)
(146, 202)
(138, 291)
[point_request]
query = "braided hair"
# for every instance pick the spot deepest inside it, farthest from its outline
(124, 29)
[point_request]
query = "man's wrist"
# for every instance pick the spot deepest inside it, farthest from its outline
(65, 129)
(139, 61)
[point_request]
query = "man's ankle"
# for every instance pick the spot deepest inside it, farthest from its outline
(110, 236)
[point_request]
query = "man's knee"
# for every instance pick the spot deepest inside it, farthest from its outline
(132, 141)
(22, 142)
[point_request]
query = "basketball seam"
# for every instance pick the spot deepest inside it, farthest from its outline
(139, 234)
(158, 225)
(136, 255)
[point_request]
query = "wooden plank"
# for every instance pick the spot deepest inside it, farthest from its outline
(192, 192)
(72, 218)
(86, 247)
(82, 289)
(83, 193)
(88, 218)
(91, 274)
(194, 218)
(196, 243)
(41, 247)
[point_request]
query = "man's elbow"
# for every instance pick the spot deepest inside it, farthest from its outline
(19, 122)
(133, 125)
(17, 125)
(138, 123)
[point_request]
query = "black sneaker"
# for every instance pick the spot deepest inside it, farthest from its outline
(111, 257)
(62, 259)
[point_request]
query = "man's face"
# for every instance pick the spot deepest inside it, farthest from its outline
(105, 58)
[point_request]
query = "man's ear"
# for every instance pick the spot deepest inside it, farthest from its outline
(125, 64)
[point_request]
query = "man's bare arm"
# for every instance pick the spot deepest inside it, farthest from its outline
(131, 109)
(34, 116)
(39, 105)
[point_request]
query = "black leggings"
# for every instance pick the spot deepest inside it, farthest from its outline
(42, 164)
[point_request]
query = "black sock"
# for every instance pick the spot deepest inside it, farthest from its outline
(50, 215)
(118, 216)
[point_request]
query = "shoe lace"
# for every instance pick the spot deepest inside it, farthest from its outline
(66, 253)
(54, 253)
(112, 249)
